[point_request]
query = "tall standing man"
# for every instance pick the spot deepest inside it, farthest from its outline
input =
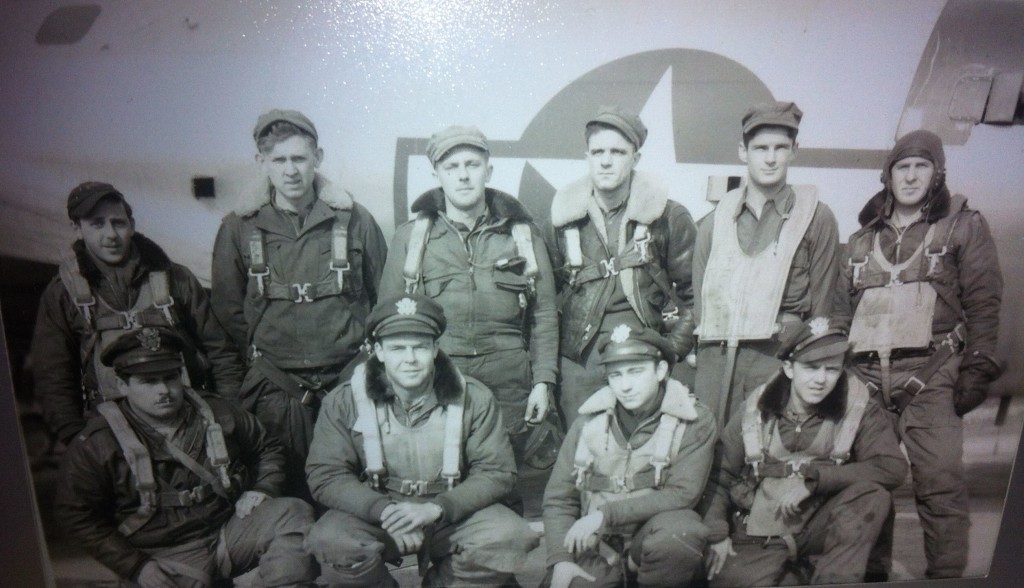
(117, 281)
(923, 287)
(476, 252)
(806, 469)
(618, 509)
(411, 457)
(171, 489)
(295, 273)
(622, 254)
(765, 260)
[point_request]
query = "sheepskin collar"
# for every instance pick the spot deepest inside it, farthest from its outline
(151, 258)
(678, 401)
(646, 203)
(448, 382)
(501, 205)
(880, 206)
(332, 195)
(773, 400)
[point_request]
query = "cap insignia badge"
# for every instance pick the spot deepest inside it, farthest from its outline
(406, 306)
(149, 338)
(621, 334)
(818, 326)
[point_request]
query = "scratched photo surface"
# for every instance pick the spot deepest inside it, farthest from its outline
(159, 99)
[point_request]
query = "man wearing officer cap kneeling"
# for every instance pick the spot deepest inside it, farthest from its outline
(411, 457)
(619, 504)
(805, 470)
(167, 488)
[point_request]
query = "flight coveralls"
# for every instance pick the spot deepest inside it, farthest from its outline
(850, 498)
(476, 540)
(757, 276)
(949, 250)
(647, 504)
(66, 342)
(631, 265)
(191, 527)
(299, 312)
(502, 322)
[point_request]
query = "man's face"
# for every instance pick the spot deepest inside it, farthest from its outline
(408, 359)
(463, 173)
(107, 232)
(611, 158)
(156, 396)
(291, 165)
(768, 155)
(911, 178)
(814, 380)
(636, 382)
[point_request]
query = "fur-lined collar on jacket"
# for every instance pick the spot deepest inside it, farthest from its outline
(448, 382)
(646, 203)
(500, 204)
(332, 195)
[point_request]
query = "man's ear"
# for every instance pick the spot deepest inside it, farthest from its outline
(378, 351)
(787, 368)
(319, 154)
(122, 385)
(636, 160)
(260, 158)
(743, 152)
(661, 370)
(76, 226)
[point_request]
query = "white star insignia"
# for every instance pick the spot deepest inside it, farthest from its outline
(406, 306)
(621, 333)
(818, 326)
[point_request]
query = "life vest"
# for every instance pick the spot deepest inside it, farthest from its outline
(607, 472)
(141, 465)
(269, 289)
(897, 306)
(412, 270)
(103, 324)
(742, 294)
(776, 469)
(424, 460)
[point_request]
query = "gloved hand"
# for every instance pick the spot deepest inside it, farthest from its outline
(970, 390)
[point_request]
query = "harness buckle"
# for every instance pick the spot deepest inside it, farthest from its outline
(608, 265)
(413, 487)
(166, 310)
(894, 277)
(573, 275)
(302, 293)
(129, 320)
(857, 267)
(340, 272)
(410, 284)
(259, 279)
(795, 469)
(642, 249)
(933, 259)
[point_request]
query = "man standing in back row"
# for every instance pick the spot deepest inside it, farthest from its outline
(765, 260)
(622, 252)
(295, 273)
(923, 287)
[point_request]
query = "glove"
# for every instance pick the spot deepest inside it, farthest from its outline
(970, 390)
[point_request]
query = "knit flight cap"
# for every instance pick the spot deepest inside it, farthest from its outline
(626, 343)
(815, 339)
(265, 120)
(150, 350)
(406, 314)
(449, 138)
(626, 122)
(776, 114)
(919, 143)
(85, 196)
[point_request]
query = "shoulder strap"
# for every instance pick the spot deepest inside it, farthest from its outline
(216, 447)
(451, 459)
(141, 466)
(77, 287)
(583, 460)
(159, 284)
(339, 245)
(414, 254)
(662, 449)
(752, 424)
(857, 397)
(366, 423)
(522, 235)
(258, 267)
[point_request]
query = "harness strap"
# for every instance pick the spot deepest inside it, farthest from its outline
(662, 439)
(414, 253)
(216, 447)
(77, 287)
(196, 468)
(857, 397)
(159, 284)
(753, 448)
(661, 456)
(366, 416)
(451, 459)
(258, 267)
(522, 235)
(339, 246)
(303, 391)
(305, 292)
(137, 456)
(134, 319)
(583, 460)
(949, 346)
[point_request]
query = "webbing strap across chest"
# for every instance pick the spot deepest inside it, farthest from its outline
(368, 424)
(636, 256)
(669, 428)
(153, 310)
(259, 266)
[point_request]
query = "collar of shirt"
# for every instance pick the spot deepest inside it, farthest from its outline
(416, 411)
(480, 221)
(782, 202)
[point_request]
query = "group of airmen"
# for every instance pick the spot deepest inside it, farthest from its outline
(334, 404)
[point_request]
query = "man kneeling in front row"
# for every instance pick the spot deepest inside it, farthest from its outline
(170, 489)
(619, 505)
(412, 457)
(805, 470)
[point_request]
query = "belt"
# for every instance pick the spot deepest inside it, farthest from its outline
(416, 487)
(306, 392)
